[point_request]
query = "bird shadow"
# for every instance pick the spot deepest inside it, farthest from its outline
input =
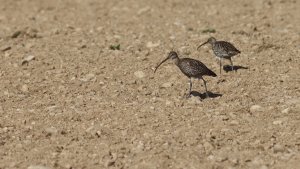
(228, 68)
(204, 96)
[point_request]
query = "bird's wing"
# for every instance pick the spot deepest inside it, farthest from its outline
(202, 69)
(188, 67)
(193, 68)
(229, 48)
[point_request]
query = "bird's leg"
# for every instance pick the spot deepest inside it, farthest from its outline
(205, 88)
(220, 62)
(190, 91)
(231, 64)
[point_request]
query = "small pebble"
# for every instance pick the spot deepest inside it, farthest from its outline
(27, 59)
(24, 88)
(194, 100)
(152, 45)
(168, 103)
(5, 129)
(38, 167)
(68, 166)
(277, 122)
(172, 37)
(166, 85)
(263, 167)
(278, 148)
(257, 161)
(255, 108)
(109, 163)
(140, 147)
(88, 77)
(211, 157)
(234, 160)
(234, 122)
(139, 74)
(51, 130)
(286, 111)
(29, 45)
(143, 10)
(7, 54)
(208, 147)
(293, 101)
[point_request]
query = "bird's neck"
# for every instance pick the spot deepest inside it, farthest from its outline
(176, 61)
(213, 44)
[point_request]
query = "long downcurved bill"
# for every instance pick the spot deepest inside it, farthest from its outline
(202, 45)
(160, 64)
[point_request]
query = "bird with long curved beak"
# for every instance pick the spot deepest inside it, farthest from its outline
(190, 67)
(222, 49)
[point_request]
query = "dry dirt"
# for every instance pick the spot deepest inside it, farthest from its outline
(69, 101)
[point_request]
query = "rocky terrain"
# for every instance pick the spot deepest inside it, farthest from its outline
(77, 88)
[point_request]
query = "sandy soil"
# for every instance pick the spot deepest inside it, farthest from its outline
(69, 101)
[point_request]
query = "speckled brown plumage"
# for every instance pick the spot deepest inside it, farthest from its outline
(194, 68)
(190, 67)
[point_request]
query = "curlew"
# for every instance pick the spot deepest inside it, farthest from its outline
(222, 49)
(191, 68)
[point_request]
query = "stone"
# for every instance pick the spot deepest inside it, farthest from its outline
(278, 148)
(234, 122)
(263, 167)
(194, 100)
(152, 45)
(24, 88)
(27, 59)
(38, 167)
(51, 130)
(166, 85)
(139, 74)
(255, 108)
(208, 147)
(89, 77)
(277, 122)
(143, 10)
(286, 111)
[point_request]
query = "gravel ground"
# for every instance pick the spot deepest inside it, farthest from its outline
(77, 88)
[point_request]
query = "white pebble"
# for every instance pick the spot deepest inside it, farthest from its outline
(277, 122)
(27, 59)
(234, 122)
(208, 147)
(88, 77)
(152, 45)
(194, 100)
(286, 111)
(51, 130)
(255, 108)
(143, 10)
(38, 167)
(24, 88)
(166, 85)
(263, 167)
(278, 148)
(168, 103)
(139, 74)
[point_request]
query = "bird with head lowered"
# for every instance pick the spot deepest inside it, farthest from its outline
(189, 67)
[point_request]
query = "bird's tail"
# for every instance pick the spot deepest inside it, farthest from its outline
(211, 73)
